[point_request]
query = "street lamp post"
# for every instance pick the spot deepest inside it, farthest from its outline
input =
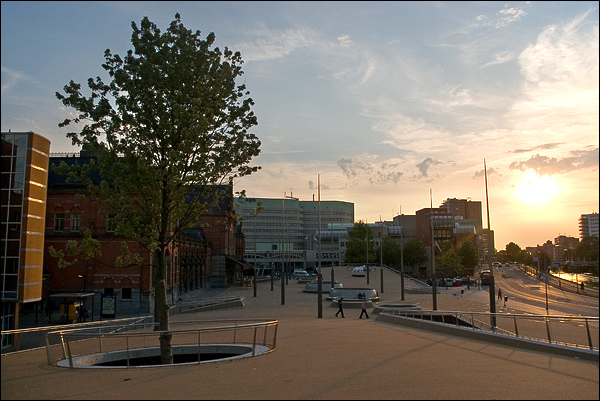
(401, 256)
(433, 278)
(381, 258)
(319, 275)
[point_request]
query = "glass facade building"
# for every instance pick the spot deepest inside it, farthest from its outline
(24, 179)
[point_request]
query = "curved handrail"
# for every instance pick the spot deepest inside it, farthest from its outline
(74, 342)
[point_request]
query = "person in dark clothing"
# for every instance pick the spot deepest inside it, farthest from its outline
(340, 307)
(364, 309)
(83, 314)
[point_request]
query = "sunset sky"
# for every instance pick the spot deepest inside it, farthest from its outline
(385, 100)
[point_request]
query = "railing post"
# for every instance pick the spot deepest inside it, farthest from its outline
(127, 347)
(587, 326)
(234, 331)
(199, 342)
(548, 328)
(62, 343)
(265, 337)
(48, 356)
(516, 328)
(254, 341)
(69, 353)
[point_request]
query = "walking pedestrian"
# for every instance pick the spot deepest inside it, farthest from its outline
(340, 307)
(499, 294)
(364, 308)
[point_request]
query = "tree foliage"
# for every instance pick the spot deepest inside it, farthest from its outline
(414, 253)
(447, 260)
(587, 249)
(468, 254)
(391, 252)
(168, 129)
(356, 249)
(88, 248)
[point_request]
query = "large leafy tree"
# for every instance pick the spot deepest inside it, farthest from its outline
(447, 260)
(356, 250)
(171, 125)
(468, 254)
(587, 249)
(513, 252)
(391, 252)
(414, 253)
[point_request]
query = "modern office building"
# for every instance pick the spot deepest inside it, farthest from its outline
(23, 193)
(286, 230)
(588, 225)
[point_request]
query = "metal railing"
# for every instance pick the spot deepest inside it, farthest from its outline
(572, 331)
(35, 337)
(68, 344)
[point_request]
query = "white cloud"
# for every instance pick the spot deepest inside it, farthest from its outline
(508, 15)
(265, 44)
(345, 40)
(561, 86)
(500, 58)
(366, 168)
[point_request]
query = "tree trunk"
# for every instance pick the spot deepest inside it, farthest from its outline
(162, 309)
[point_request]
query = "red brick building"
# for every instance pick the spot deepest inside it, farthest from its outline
(207, 256)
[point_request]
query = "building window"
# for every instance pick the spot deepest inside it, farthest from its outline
(110, 223)
(59, 221)
(75, 222)
(126, 294)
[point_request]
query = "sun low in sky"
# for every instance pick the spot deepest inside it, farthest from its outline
(536, 190)
(383, 100)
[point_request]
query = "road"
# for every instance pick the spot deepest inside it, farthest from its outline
(529, 294)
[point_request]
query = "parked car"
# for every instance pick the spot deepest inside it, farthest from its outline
(457, 282)
(301, 274)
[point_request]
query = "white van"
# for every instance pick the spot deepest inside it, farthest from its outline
(301, 274)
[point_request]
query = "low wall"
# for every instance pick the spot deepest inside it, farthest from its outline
(500, 339)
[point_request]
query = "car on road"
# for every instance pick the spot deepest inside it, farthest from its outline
(301, 274)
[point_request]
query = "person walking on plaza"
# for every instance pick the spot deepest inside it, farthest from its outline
(340, 307)
(364, 308)
(499, 294)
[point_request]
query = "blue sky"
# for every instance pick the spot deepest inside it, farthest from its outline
(383, 100)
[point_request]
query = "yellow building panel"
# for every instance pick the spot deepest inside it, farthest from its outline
(34, 225)
(34, 208)
(37, 192)
(30, 293)
(39, 160)
(30, 275)
(32, 241)
(32, 258)
(39, 142)
(36, 175)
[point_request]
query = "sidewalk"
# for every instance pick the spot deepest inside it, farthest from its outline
(326, 358)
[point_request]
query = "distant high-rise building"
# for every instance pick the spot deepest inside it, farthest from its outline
(588, 225)
(23, 193)
(564, 248)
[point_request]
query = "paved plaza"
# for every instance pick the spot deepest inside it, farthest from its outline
(327, 358)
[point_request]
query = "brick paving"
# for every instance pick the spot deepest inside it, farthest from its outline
(327, 358)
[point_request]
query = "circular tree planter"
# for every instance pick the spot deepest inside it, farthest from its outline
(150, 357)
